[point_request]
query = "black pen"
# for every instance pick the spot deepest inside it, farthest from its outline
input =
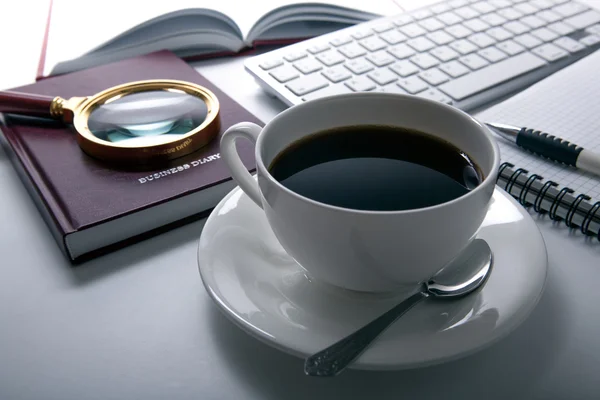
(550, 147)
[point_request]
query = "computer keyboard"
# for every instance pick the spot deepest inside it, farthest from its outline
(461, 52)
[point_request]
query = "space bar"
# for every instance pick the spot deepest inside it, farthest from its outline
(485, 78)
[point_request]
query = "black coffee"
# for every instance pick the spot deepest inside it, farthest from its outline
(376, 168)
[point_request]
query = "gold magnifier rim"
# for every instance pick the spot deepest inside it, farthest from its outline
(182, 145)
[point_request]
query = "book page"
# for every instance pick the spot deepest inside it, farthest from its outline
(247, 14)
(565, 104)
(77, 27)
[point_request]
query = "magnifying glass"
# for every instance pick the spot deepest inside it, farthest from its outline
(143, 122)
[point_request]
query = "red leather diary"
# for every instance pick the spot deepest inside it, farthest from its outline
(92, 207)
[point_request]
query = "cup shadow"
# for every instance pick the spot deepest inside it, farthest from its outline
(511, 368)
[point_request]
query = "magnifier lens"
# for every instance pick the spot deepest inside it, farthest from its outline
(147, 118)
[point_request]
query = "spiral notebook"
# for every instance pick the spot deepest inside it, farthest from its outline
(567, 105)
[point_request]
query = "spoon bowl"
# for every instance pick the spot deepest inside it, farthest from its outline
(462, 275)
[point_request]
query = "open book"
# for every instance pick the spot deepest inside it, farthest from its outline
(82, 34)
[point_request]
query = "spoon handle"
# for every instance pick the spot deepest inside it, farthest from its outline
(335, 358)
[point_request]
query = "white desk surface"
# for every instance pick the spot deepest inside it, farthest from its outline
(137, 324)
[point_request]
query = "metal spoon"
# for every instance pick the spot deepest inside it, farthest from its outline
(460, 277)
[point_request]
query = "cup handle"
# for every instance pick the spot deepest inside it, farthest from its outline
(238, 170)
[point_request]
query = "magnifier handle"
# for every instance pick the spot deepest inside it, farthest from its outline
(240, 174)
(25, 103)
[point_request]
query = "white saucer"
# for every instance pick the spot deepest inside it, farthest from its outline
(255, 283)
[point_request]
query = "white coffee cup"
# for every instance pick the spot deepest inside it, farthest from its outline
(357, 249)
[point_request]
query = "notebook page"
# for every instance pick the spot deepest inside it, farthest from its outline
(567, 105)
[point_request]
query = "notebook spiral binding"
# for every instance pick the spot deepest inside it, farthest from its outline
(561, 204)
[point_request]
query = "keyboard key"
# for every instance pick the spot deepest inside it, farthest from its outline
(436, 95)
(526, 8)
(269, 64)
(527, 40)
(432, 24)
(533, 21)
(594, 29)
(550, 52)
(284, 73)
(463, 46)
(482, 40)
(352, 50)
(490, 76)
(425, 61)
(549, 16)
(476, 25)
(499, 33)
(422, 14)
(402, 19)
(458, 31)
(360, 84)
(296, 55)
(373, 43)
(510, 14)
(544, 34)
(412, 84)
(440, 8)
(492, 54)
(362, 33)
(384, 27)
(458, 3)
(318, 48)
(381, 58)
(401, 51)
(510, 47)
(330, 58)
(466, 12)
(483, 7)
(542, 4)
(307, 84)
(454, 69)
(340, 41)
(561, 28)
(440, 37)
(449, 18)
(308, 65)
(569, 9)
(393, 37)
(583, 20)
(359, 66)
(590, 40)
(404, 68)
(516, 27)
(500, 3)
(473, 61)
(412, 30)
(336, 74)
(434, 76)
(383, 76)
(444, 53)
(392, 88)
(493, 19)
(330, 90)
(421, 44)
(570, 45)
